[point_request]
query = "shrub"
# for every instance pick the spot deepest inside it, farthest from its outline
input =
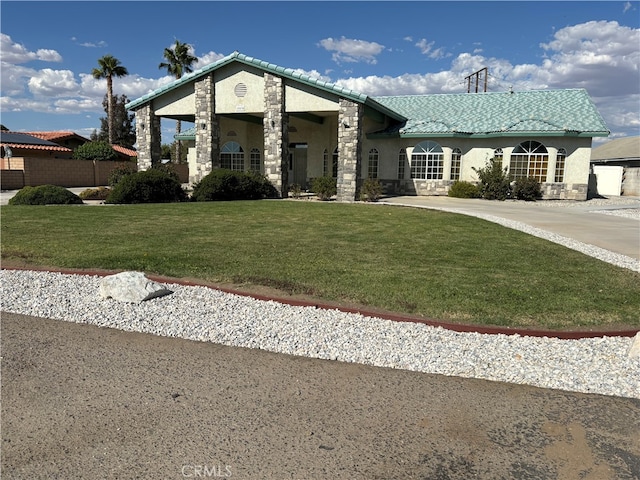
(462, 189)
(223, 184)
(45, 195)
(494, 181)
(120, 171)
(95, 151)
(100, 193)
(324, 187)
(168, 169)
(149, 186)
(295, 190)
(371, 190)
(527, 189)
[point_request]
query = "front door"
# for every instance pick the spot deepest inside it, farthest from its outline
(298, 164)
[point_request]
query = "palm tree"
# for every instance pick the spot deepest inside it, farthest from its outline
(178, 62)
(109, 67)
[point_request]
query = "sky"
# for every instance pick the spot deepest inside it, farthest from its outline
(48, 50)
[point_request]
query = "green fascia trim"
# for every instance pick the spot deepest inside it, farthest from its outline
(373, 136)
(275, 69)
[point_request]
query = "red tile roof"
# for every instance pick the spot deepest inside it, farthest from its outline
(55, 136)
(24, 146)
(125, 151)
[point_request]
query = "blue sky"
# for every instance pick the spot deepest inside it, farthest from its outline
(48, 50)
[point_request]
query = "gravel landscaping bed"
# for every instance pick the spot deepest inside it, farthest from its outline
(593, 365)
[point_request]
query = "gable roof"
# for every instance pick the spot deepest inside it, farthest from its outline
(540, 112)
(274, 69)
(26, 141)
(57, 136)
(626, 148)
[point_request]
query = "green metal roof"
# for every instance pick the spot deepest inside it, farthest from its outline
(540, 112)
(276, 70)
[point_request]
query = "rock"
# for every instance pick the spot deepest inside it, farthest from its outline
(634, 351)
(132, 287)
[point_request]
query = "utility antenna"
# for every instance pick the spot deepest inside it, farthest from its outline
(476, 76)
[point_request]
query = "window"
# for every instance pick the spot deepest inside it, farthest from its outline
(427, 161)
(497, 154)
(456, 160)
(402, 162)
(325, 163)
(255, 165)
(334, 164)
(560, 159)
(373, 163)
(232, 156)
(529, 159)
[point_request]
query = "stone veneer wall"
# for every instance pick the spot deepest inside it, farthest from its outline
(276, 133)
(148, 137)
(207, 129)
(349, 150)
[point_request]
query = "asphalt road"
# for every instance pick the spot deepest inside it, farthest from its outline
(80, 401)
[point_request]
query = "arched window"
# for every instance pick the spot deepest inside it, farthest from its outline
(456, 160)
(497, 154)
(560, 159)
(255, 164)
(529, 159)
(373, 163)
(334, 164)
(402, 162)
(427, 161)
(232, 156)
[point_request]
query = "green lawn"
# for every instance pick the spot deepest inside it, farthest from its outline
(435, 264)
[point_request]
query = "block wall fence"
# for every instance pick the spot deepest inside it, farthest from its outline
(18, 172)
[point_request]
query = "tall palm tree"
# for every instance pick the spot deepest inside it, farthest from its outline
(109, 67)
(178, 62)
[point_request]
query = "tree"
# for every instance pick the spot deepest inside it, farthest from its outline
(109, 67)
(178, 62)
(124, 132)
(494, 180)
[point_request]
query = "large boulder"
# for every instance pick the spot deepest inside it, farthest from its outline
(132, 287)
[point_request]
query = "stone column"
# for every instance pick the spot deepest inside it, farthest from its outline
(207, 130)
(148, 137)
(276, 134)
(349, 150)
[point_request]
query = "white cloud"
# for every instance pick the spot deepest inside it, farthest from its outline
(53, 83)
(426, 48)
(15, 53)
(207, 59)
(351, 50)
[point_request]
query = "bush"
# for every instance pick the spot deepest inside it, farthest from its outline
(168, 169)
(95, 151)
(527, 189)
(100, 193)
(149, 186)
(324, 187)
(45, 195)
(494, 181)
(295, 190)
(462, 189)
(120, 171)
(371, 190)
(223, 184)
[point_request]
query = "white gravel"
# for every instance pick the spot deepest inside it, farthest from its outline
(594, 365)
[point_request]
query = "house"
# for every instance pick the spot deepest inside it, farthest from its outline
(63, 138)
(15, 144)
(253, 115)
(616, 166)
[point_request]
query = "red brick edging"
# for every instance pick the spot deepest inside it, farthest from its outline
(561, 334)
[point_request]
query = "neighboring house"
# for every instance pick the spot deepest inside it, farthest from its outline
(65, 139)
(616, 165)
(252, 115)
(124, 154)
(14, 144)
